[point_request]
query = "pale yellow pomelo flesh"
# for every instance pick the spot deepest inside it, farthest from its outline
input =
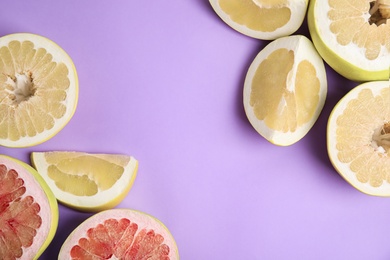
(87, 181)
(358, 137)
(285, 90)
(120, 234)
(38, 89)
(352, 36)
(262, 19)
(28, 211)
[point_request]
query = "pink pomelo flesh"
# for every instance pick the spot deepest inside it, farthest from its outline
(120, 234)
(25, 215)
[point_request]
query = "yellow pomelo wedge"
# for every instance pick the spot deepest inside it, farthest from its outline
(86, 181)
(353, 36)
(285, 89)
(262, 19)
(358, 137)
(38, 89)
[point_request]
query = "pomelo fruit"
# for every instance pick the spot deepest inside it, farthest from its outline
(353, 37)
(358, 137)
(28, 211)
(285, 89)
(262, 19)
(87, 181)
(120, 234)
(38, 89)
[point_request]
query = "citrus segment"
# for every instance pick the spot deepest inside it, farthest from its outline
(28, 211)
(359, 137)
(285, 89)
(38, 89)
(86, 181)
(120, 234)
(262, 19)
(352, 37)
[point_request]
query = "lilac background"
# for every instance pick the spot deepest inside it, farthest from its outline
(162, 81)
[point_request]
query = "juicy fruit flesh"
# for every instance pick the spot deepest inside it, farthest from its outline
(33, 88)
(120, 238)
(250, 13)
(19, 215)
(272, 97)
(360, 23)
(363, 137)
(84, 175)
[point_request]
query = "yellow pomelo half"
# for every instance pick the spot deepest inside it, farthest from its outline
(87, 181)
(353, 36)
(262, 19)
(38, 89)
(358, 137)
(285, 89)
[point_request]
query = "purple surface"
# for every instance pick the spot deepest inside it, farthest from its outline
(162, 81)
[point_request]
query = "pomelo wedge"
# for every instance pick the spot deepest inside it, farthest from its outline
(353, 36)
(87, 181)
(285, 89)
(358, 137)
(28, 211)
(120, 234)
(262, 19)
(38, 89)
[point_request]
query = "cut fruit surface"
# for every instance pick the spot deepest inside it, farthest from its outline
(38, 89)
(120, 234)
(358, 137)
(262, 19)
(86, 181)
(352, 36)
(28, 211)
(285, 89)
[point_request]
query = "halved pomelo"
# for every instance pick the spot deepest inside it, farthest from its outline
(28, 211)
(120, 234)
(358, 137)
(262, 19)
(285, 89)
(87, 181)
(353, 37)
(38, 89)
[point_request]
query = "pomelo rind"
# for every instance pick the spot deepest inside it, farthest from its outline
(343, 168)
(340, 65)
(118, 213)
(52, 202)
(52, 48)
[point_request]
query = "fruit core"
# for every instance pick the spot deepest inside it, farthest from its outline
(381, 138)
(20, 87)
(379, 11)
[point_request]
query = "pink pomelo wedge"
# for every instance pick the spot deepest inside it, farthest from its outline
(28, 211)
(120, 234)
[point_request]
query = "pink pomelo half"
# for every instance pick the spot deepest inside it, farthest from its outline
(120, 234)
(28, 211)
